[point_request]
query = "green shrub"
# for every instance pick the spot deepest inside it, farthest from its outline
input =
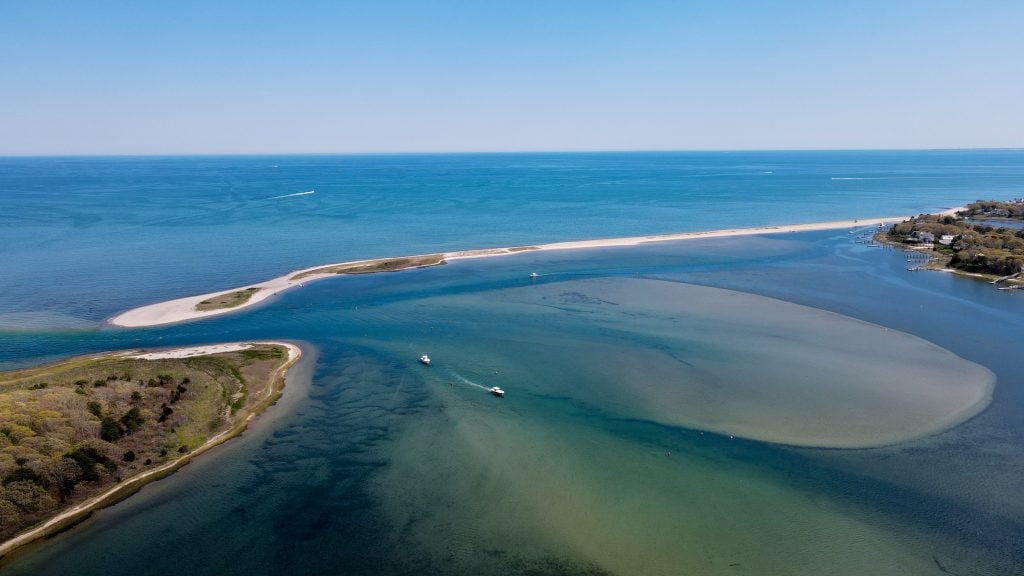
(132, 420)
(165, 411)
(23, 474)
(110, 430)
(87, 459)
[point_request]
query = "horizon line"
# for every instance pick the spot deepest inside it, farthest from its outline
(511, 152)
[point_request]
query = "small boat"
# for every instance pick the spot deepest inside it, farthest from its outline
(497, 392)
(425, 360)
(533, 274)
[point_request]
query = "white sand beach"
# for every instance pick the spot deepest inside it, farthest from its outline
(193, 351)
(184, 309)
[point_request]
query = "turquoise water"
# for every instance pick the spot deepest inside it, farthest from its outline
(373, 464)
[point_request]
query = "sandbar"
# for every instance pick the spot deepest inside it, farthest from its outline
(185, 309)
(701, 358)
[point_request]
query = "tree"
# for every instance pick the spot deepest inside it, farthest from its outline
(165, 411)
(23, 474)
(8, 513)
(110, 430)
(132, 420)
(87, 459)
(28, 496)
(63, 473)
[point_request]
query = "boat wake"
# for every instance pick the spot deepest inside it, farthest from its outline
(467, 381)
(307, 193)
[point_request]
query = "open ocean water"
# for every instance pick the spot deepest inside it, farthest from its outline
(662, 400)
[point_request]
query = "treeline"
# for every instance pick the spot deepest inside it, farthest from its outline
(977, 248)
(994, 209)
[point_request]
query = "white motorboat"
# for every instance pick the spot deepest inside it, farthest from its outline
(497, 392)
(425, 360)
(533, 274)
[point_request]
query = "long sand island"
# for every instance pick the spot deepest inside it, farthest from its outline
(86, 432)
(235, 299)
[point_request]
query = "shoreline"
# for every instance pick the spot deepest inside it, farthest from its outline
(939, 262)
(83, 510)
(184, 309)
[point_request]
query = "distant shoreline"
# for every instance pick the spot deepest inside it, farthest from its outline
(185, 309)
(81, 511)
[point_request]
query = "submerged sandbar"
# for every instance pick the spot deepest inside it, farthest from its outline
(712, 359)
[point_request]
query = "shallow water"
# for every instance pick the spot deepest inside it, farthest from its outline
(695, 357)
(522, 490)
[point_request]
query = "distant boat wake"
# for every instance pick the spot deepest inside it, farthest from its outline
(295, 194)
(467, 381)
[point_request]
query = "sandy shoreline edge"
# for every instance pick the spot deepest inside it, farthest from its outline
(81, 511)
(184, 309)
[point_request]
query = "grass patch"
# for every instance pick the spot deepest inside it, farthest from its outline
(373, 266)
(274, 353)
(229, 300)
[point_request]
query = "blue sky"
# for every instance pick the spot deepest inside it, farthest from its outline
(380, 76)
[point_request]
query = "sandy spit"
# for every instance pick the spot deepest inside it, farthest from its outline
(184, 309)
